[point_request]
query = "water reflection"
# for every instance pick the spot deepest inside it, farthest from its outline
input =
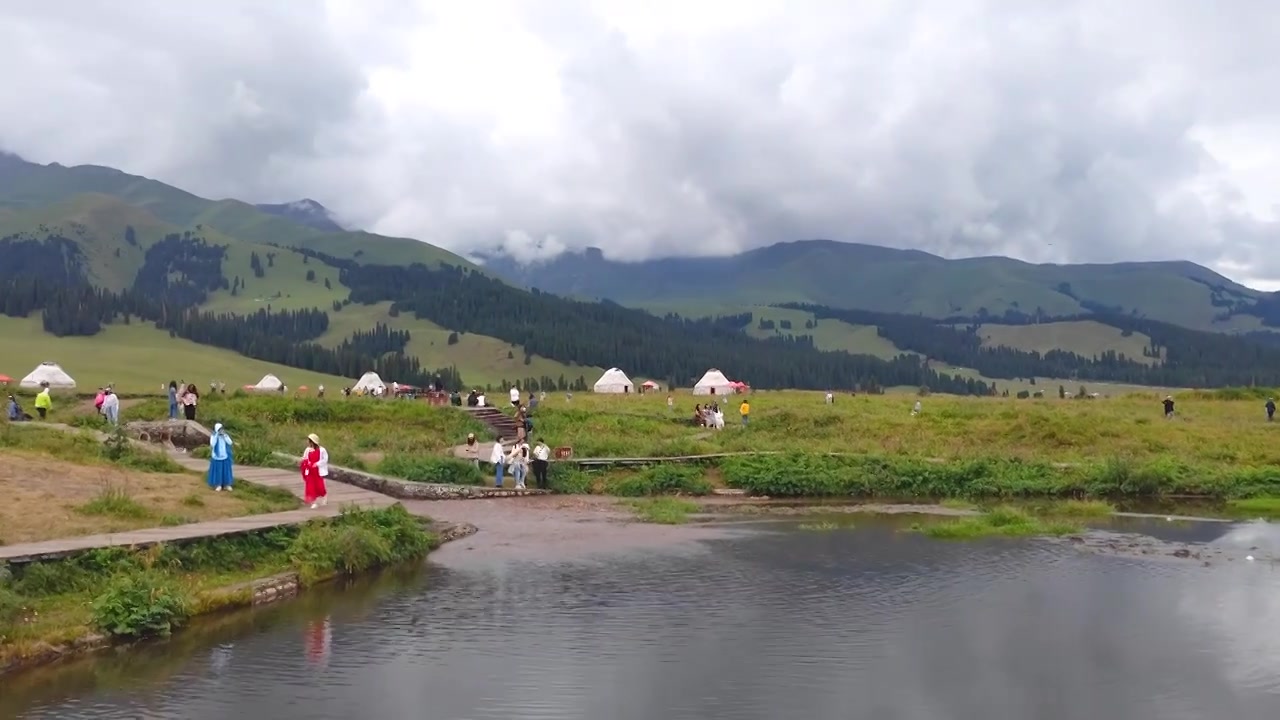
(866, 623)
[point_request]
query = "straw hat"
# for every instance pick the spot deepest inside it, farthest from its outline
(314, 438)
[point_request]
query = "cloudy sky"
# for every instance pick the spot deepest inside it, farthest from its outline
(1049, 130)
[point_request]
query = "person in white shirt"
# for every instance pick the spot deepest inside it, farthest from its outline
(111, 406)
(518, 461)
(541, 454)
(498, 459)
(515, 396)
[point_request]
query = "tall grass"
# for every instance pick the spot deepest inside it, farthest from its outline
(136, 593)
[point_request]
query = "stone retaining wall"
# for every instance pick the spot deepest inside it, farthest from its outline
(184, 434)
(276, 587)
(406, 490)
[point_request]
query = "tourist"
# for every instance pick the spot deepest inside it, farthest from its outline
(472, 450)
(320, 392)
(699, 418)
(44, 403)
(745, 411)
(518, 461)
(671, 404)
(830, 397)
(173, 400)
(111, 406)
(541, 454)
(480, 402)
(190, 399)
(1271, 409)
(515, 397)
(497, 459)
(98, 400)
(315, 467)
(1168, 406)
(220, 474)
(915, 410)
(15, 411)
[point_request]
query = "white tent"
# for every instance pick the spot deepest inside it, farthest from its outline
(369, 382)
(713, 383)
(614, 381)
(48, 372)
(269, 383)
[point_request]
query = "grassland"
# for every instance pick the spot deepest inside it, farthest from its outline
(1087, 338)
(58, 484)
(136, 358)
(798, 446)
(363, 433)
(483, 360)
(1084, 337)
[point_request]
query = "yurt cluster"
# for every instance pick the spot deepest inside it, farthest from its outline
(714, 382)
(614, 382)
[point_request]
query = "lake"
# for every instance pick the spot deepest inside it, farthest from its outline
(766, 621)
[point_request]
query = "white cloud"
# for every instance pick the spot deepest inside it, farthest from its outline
(1050, 131)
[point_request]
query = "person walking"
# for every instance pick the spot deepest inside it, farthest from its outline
(1168, 407)
(44, 403)
(315, 467)
(1271, 409)
(498, 459)
(541, 455)
(220, 475)
(173, 400)
(745, 411)
(111, 406)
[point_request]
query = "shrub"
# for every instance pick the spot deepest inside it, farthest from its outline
(141, 604)
(12, 606)
(662, 480)
(569, 479)
(114, 501)
(357, 540)
(446, 471)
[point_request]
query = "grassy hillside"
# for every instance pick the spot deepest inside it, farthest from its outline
(26, 185)
(1084, 337)
(483, 360)
(847, 275)
(137, 358)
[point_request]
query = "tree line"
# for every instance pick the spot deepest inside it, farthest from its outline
(605, 334)
(1189, 358)
(176, 276)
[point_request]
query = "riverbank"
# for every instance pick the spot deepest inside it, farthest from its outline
(49, 610)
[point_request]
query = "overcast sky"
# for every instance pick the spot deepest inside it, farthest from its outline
(1046, 130)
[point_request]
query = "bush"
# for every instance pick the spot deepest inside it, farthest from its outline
(358, 540)
(445, 471)
(12, 606)
(662, 480)
(140, 605)
(569, 479)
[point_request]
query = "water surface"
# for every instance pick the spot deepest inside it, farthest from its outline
(778, 623)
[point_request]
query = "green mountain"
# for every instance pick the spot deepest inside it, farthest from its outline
(131, 280)
(30, 186)
(867, 277)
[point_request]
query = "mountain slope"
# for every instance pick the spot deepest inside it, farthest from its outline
(26, 185)
(304, 212)
(849, 275)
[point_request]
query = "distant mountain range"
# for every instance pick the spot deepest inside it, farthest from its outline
(868, 277)
(85, 249)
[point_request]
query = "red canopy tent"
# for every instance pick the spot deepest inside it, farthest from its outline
(5, 379)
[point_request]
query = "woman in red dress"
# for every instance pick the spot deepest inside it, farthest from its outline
(314, 491)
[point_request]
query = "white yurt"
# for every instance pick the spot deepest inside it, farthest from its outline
(713, 383)
(369, 383)
(613, 381)
(268, 383)
(51, 373)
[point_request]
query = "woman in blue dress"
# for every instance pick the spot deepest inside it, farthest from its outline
(173, 400)
(220, 459)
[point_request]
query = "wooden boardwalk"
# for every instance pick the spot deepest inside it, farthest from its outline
(340, 495)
